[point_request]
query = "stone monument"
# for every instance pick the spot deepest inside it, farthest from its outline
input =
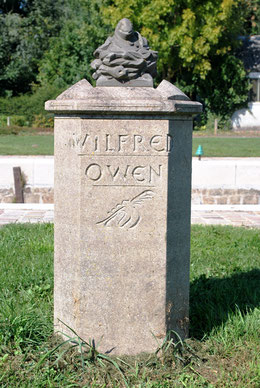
(122, 202)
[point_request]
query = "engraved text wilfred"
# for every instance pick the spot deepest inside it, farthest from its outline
(122, 143)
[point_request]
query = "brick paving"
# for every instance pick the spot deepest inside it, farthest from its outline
(226, 217)
(9, 216)
(198, 216)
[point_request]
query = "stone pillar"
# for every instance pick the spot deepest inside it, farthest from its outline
(122, 213)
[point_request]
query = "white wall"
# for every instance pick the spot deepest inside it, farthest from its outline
(38, 170)
(229, 173)
(247, 118)
(226, 173)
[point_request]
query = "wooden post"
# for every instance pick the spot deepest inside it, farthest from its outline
(216, 127)
(18, 185)
(8, 121)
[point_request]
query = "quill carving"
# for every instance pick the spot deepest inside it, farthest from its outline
(126, 214)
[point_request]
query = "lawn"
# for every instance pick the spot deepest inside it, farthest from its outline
(226, 146)
(223, 350)
(42, 144)
(24, 144)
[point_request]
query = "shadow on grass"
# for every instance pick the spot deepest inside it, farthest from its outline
(213, 299)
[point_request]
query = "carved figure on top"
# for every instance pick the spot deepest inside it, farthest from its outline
(125, 59)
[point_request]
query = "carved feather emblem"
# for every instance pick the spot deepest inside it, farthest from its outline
(126, 214)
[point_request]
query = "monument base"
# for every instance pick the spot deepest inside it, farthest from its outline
(122, 215)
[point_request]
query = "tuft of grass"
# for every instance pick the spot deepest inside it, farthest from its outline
(223, 350)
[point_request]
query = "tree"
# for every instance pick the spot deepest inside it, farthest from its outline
(252, 10)
(15, 6)
(196, 41)
(23, 40)
(69, 55)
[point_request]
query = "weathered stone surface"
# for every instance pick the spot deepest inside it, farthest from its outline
(83, 98)
(234, 200)
(215, 192)
(208, 200)
(6, 195)
(222, 200)
(31, 195)
(122, 218)
(250, 199)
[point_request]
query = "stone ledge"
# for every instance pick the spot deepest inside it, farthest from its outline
(84, 98)
(38, 195)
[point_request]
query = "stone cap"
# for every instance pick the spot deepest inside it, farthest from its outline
(84, 98)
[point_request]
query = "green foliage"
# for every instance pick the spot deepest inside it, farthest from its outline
(23, 40)
(229, 85)
(15, 71)
(185, 33)
(43, 121)
(20, 121)
(196, 42)
(15, 120)
(69, 55)
(252, 9)
(52, 43)
(28, 109)
(16, 6)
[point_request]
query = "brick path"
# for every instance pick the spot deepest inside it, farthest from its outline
(224, 217)
(21, 215)
(207, 215)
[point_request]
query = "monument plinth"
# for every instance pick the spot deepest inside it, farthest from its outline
(122, 213)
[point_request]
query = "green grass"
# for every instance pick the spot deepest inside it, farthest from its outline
(224, 311)
(24, 144)
(225, 146)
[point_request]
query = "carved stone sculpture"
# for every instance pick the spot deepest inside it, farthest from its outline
(125, 59)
